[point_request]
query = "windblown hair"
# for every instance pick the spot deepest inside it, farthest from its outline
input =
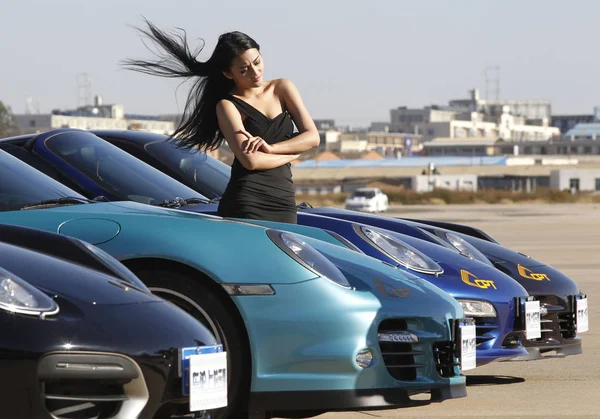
(198, 127)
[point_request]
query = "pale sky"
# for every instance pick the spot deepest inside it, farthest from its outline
(351, 60)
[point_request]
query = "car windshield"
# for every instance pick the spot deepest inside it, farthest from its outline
(209, 175)
(22, 185)
(363, 194)
(116, 171)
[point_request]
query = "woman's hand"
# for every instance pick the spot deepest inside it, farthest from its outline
(254, 144)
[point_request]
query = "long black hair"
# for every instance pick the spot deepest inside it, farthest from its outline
(198, 127)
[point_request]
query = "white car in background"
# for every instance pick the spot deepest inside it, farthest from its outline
(368, 200)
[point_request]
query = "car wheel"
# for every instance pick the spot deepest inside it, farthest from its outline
(201, 302)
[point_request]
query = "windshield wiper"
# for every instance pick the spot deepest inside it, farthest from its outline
(100, 198)
(192, 201)
(67, 200)
(303, 205)
(178, 202)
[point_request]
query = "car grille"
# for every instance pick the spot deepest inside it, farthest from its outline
(78, 399)
(484, 328)
(86, 385)
(399, 357)
(512, 340)
(559, 320)
(444, 355)
(567, 326)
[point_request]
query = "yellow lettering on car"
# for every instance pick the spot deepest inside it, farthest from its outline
(529, 274)
(470, 279)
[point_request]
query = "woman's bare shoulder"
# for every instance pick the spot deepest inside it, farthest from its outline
(226, 107)
(282, 84)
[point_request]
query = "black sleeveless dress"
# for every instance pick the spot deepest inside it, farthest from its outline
(261, 194)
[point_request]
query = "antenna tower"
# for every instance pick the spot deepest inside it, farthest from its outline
(32, 106)
(489, 79)
(84, 89)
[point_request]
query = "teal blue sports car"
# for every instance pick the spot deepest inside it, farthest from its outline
(307, 325)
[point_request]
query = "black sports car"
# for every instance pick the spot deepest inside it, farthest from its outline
(82, 337)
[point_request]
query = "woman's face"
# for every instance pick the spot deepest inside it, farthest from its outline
(247, 69)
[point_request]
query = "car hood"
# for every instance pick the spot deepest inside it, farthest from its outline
(537, 277)
(69, 281)
(128, 230)
(461, 274)
(371, 219)
(503, 258)
(388, 283)
(456, 267)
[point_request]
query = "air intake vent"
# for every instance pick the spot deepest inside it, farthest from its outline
(484, 329)
(91, 386)
(396, 346)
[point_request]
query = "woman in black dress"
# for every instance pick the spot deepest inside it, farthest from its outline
(230, 101)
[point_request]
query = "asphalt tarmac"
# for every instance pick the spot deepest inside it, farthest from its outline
(566, 237)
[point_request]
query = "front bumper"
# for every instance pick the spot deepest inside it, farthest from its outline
(340, 400)
(120, 362)
(559, 329)
(330, 326)
(501, 337)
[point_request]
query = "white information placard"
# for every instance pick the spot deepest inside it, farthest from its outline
(533, 325)
(582, 315)
(208, 381)
(468, 341)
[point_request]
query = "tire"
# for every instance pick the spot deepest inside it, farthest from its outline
(201, 302)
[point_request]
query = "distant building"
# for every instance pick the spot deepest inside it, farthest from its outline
(328, 132)
(380, 126)
(474, 117)
(97, 116)
(583, 131)
(387, 144)
(567, 122)
(474, 146)
(393, 144)
(575, 180)
(325, 124)
(328, 139)
(428, 183)
(350, 142)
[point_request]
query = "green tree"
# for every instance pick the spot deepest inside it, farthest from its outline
(7, 125)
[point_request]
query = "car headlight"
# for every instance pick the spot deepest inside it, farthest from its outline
(402, 253)
(465, 248)
(476, 308)
(308, 256)
(18, 296)
(120, 270)
(344, 241)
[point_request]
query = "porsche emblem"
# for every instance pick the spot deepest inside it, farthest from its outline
(390, 291)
